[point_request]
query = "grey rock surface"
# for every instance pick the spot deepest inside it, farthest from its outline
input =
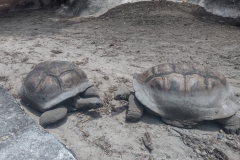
(22, 139)
(86, 8)
(26, 5)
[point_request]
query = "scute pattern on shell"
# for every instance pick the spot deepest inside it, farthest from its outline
(182, 77)
(51, 82)
(185, 92)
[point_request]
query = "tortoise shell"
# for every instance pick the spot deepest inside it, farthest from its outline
(52, 82)
(182, 91)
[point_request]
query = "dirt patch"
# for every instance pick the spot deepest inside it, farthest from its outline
(127, 39)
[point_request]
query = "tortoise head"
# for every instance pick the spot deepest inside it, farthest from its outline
(121, 94)
(88, 103)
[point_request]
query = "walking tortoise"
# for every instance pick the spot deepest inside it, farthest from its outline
(183, 94)
(57, 87)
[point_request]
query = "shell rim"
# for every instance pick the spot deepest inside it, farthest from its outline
(155, 107)
(44, 106)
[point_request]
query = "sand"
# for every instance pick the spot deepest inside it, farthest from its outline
(127, 39)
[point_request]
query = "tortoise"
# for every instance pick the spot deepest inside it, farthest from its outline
(183, 94)
(57, 87)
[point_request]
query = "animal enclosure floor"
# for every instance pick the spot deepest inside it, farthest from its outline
(127, 39)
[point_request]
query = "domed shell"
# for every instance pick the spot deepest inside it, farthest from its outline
(52, 82)
(180, 91)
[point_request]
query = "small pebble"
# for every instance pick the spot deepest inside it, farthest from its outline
(204, 153)
(210, 149)
(56, 51)
(197, 150)
(184, 142)
(219, 136)
(229, 137)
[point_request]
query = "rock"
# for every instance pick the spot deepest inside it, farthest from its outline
(204, 154)
(229, 137)
(26, 5)
(5, 5)
(21, 137)
(56, 51)
(220, 136)
(197, 150)
(95, 8)
(147, 141)
(210, 149)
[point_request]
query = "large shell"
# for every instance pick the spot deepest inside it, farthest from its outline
(185, 91)
(52, 82)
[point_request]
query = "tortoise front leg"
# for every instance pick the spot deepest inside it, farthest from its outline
(90, 92)
(54, 115)
(135, 109)
(87, 103)
(231, 125)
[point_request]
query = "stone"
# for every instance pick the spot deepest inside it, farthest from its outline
(26, 5)
(22, 138)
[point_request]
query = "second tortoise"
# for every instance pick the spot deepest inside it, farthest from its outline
(184, 95)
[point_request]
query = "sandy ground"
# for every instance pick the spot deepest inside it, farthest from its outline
(127, 39)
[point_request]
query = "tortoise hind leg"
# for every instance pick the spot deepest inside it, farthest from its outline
(231, 124)
(135, 109)
(90, 92)
(53, 116)
(181, 123)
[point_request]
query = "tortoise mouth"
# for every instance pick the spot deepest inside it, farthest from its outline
(99, 104)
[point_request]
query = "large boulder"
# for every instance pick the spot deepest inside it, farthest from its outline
(224, 8)
(6, 5)
(26, 5)
(86, 8)
(18, 5)
(22, 138)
